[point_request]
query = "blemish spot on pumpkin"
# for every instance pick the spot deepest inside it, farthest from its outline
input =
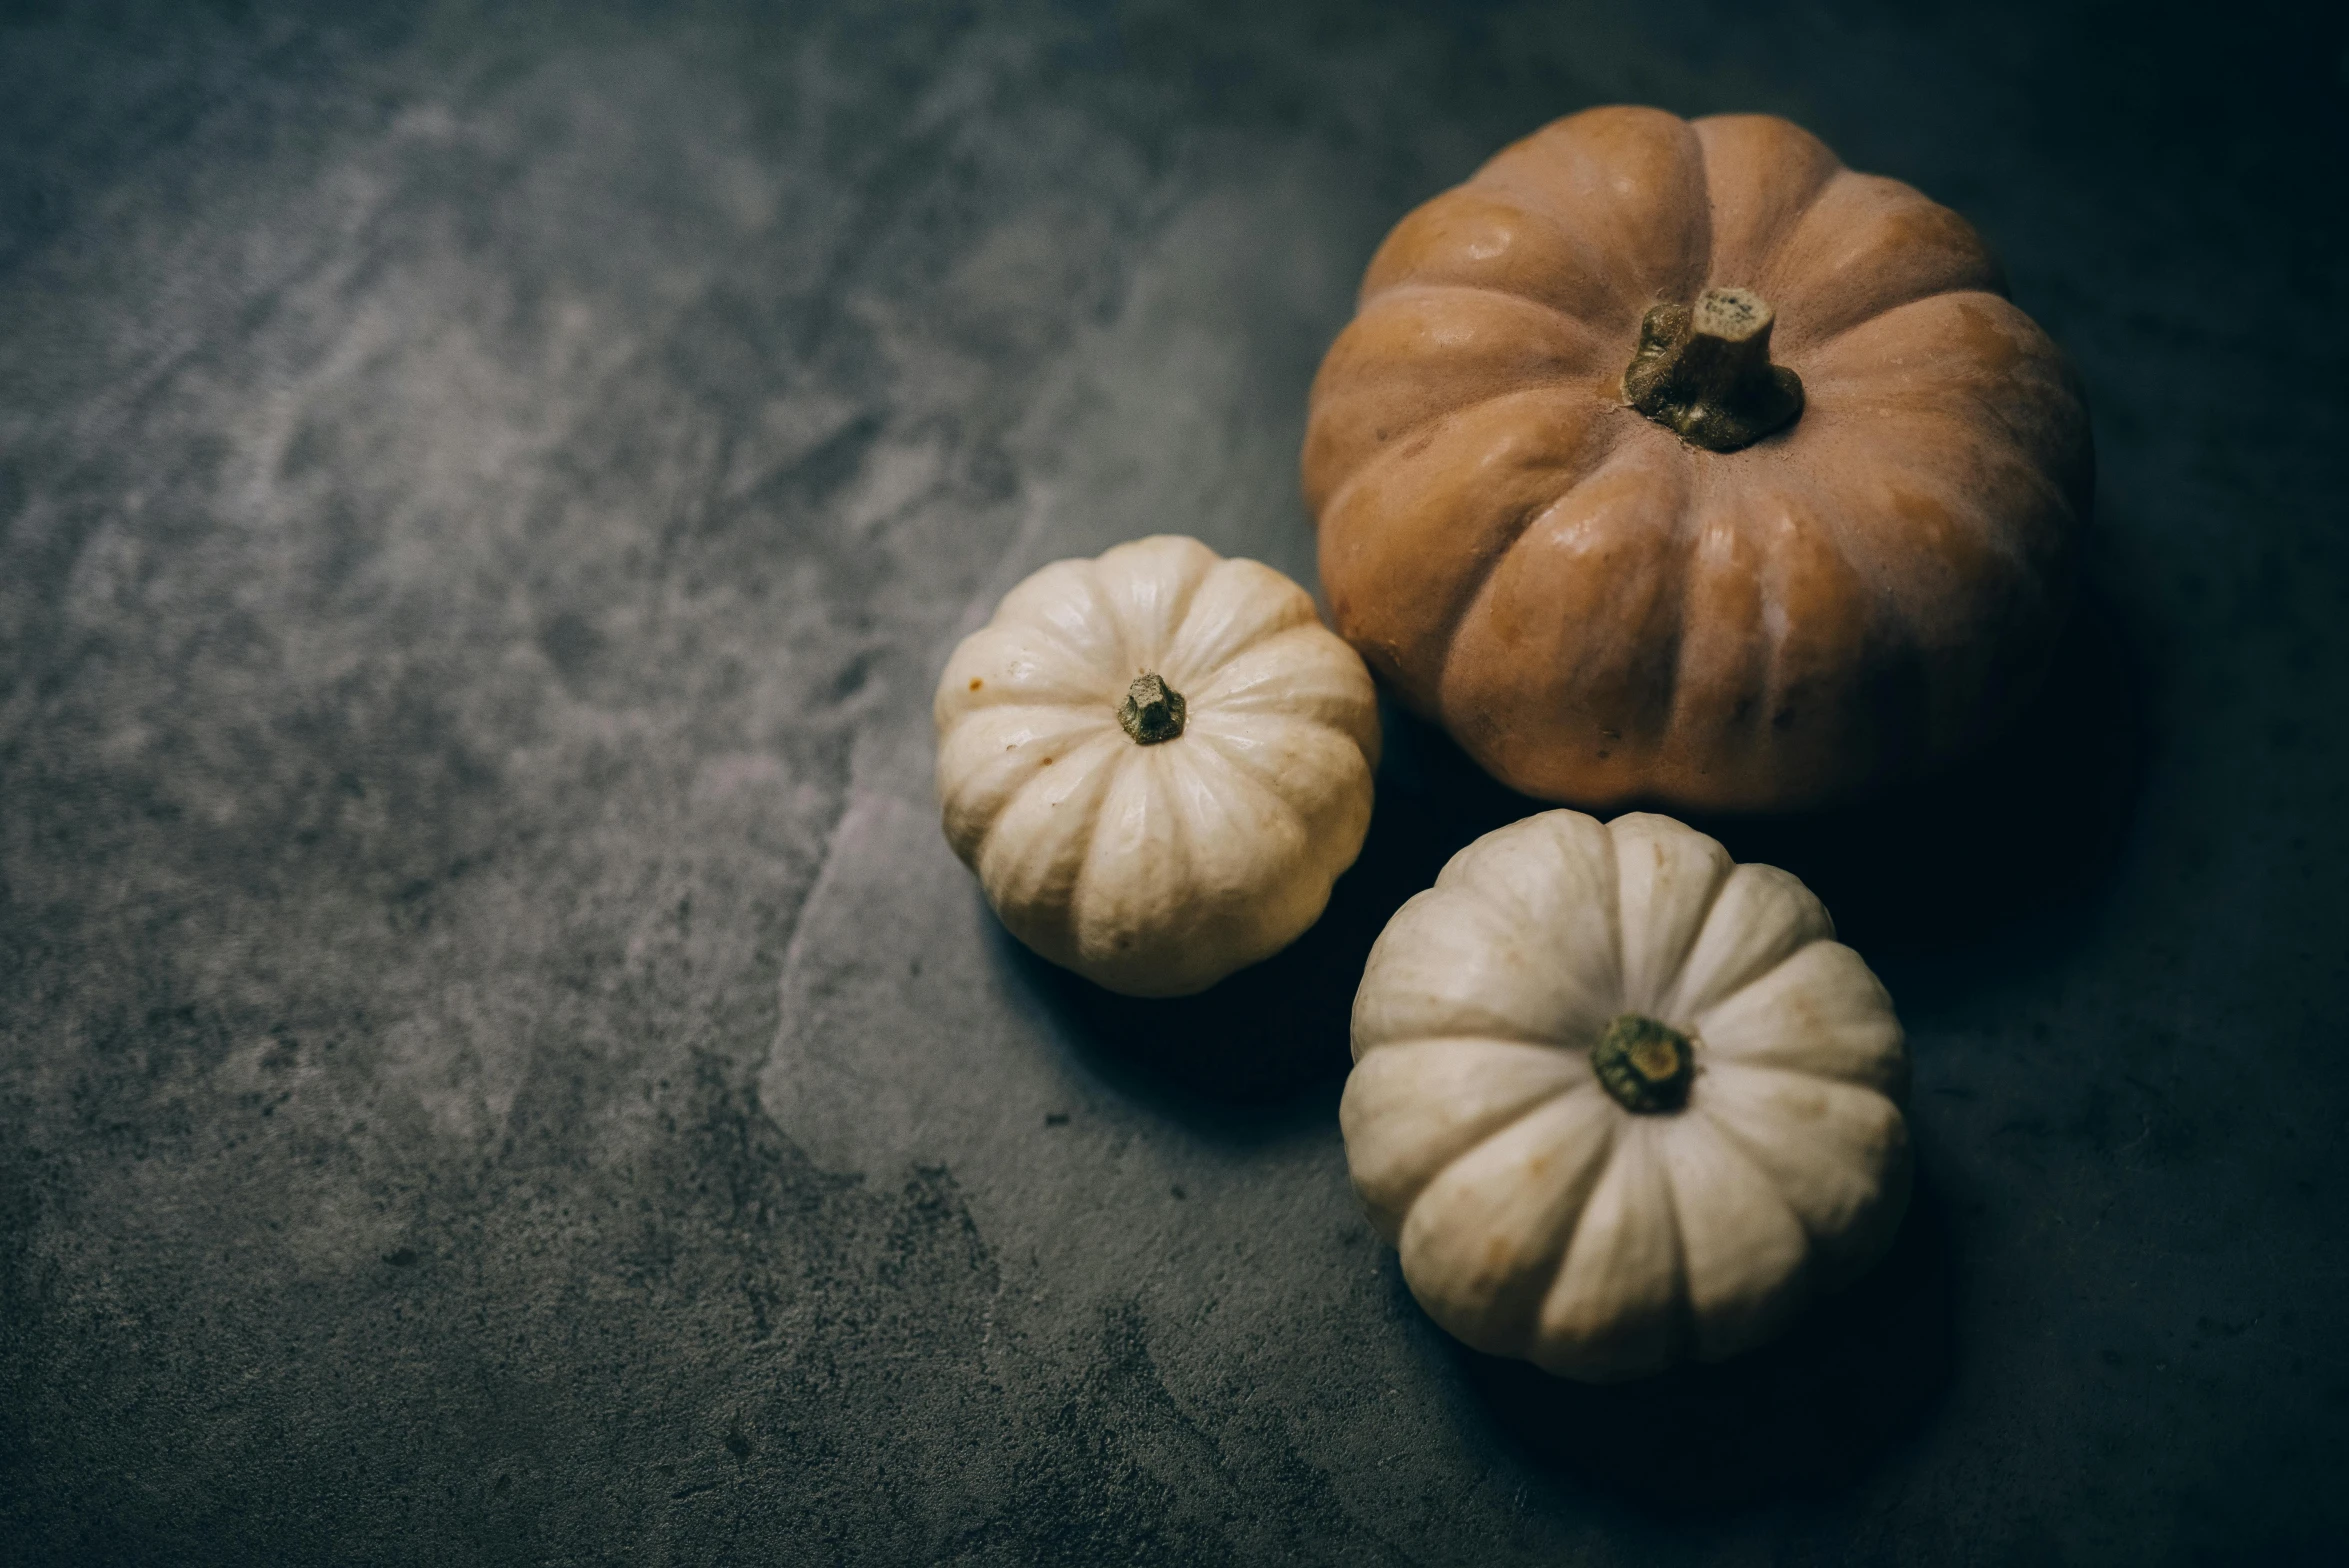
(1047, 762)
(976, 683)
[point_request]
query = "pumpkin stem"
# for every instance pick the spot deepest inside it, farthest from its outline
(1704, 371)
(1152, 711)
(1644, 1064)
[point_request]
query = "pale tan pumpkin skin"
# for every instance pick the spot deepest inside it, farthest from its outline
(1600, 613)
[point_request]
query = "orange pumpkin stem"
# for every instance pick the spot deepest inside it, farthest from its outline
(1704, 371)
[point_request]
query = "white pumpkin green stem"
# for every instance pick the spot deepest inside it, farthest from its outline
(1704, 372)
(1152, 711)
(1645, 1064)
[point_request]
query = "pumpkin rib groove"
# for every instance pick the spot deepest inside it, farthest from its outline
(1130, 636)
(1223, 703)
(1237, 768)
(1793, 1290)
(1615, 912)
(1891, 625)
(1509, 1334)
(1479, 1139)
(1489, 1027)
(1194, 658)
(1648, 984)
(1487, 570)
(1683, 1313)
(1833, 253)
(1718, 508)
(1092, 788)
(1695, 1020)
(1398, 439)
(1486, 1037)
(1845, 527)
(1777, 253)
(1757, 898)
(1876, 1060)
(1050, 630)
(1804, 1076)
(1821, 345)
(1073, 738)
(1440, 908)
(1058, 716)
(1704, 183)
(1847, 391)
(1899, 622)
(1684, 1319)
(1046, 673)
(1703, 217)
(1397, 446)
(1391, 1099)
(1306, 859)
(1890, 618)
(1787, 222)
(1507, 905)
(1499, 195)
(1743, 1143)
(1216, 725)
(1690, 526)
(1502, 172)
(1535, 204)
(1504, 906)
(1080, 897)
(1637, 1166)
(1677, 973)
(1408, 286)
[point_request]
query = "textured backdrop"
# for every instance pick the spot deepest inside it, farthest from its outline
(497, 1064)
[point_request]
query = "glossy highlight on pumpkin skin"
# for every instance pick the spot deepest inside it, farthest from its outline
(1601, 613)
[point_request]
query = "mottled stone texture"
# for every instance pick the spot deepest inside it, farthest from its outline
(497, 1064)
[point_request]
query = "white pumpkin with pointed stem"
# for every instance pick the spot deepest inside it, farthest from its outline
(1621, 1102)
(1158, 762)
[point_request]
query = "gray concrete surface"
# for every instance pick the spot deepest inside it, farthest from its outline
(497, 1064)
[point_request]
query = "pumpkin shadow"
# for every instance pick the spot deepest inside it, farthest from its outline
(1246, 1046)
(1276, 1031)
(2022, 835)
(1805, 1415)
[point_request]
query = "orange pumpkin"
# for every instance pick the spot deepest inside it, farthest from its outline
(1675, 462)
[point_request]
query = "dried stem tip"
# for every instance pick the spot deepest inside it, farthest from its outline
(1704, 371)
(1152, 711)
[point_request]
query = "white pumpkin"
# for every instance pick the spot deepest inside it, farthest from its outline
(1158, 762)
(1621, 1102)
